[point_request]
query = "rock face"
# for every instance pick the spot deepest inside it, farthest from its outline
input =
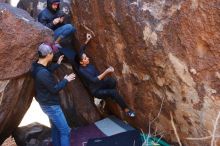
(14, 102)
(19, 33)
(164, 52)
(20, 36)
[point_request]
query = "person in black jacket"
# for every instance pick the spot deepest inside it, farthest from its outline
(100, 85)
(47, 93)
(53, 18)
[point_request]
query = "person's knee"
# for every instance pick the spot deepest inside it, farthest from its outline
(70, 27)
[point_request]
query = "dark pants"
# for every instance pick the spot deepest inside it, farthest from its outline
(108, 89)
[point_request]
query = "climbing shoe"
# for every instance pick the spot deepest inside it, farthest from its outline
(131, 113)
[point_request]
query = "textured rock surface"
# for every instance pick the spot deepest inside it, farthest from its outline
(162, 50)
(20, 35)
(14, 101)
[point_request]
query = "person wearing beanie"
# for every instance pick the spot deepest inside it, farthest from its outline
(53, 18)
(47, 93)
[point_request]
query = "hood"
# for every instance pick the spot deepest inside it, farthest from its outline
(49, 5)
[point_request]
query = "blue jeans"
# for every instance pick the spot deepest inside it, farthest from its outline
(60, 128)
(64, 31)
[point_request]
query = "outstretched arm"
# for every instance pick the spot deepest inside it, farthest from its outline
(83, 47)
(49, 83)
(46, 78)
(95, 78)
(107, 71)
(87, 76)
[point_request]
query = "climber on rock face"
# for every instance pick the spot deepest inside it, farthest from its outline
(53, 18)
(100, 85)
(47, 93)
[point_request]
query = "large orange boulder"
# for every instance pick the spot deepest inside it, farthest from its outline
(165, 54)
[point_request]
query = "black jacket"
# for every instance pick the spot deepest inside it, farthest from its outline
(90, 76)
(47, 16)
(46, 87)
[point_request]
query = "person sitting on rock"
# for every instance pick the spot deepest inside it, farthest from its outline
(47, 94)
(100, 85)
(53, 18)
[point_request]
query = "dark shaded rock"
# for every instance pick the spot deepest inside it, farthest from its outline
(15, 98)
(34, 134)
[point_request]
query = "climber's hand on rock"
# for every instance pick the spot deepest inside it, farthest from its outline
(110, 69)
(88, 36)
